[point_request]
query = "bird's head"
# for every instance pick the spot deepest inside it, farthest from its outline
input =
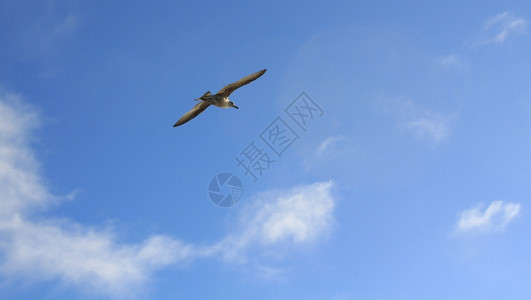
(232, 105)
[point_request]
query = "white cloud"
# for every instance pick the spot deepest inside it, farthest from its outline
(424, 124)
(330, 152)
(48, 249)
(67, 26)
(41, 32)
(453, 62)
(85, 257)
(434, 128)
(300, 215)
(328, 142)
(449, 60)
(496, 29)
(495, 217)
(92, 258)
(19, 182)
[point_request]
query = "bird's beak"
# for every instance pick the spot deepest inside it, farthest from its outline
(197, 99)
(236, 107)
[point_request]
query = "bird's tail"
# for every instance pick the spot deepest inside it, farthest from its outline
(205, 95)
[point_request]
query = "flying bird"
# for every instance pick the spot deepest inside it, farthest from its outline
(221, 99)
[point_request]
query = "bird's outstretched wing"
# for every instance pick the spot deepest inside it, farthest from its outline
(198, 108)
(228, 89)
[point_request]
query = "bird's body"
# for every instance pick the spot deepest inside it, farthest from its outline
(220, 99)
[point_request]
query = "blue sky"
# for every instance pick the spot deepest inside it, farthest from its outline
(412, 184)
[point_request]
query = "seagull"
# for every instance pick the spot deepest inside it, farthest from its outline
(221, 99)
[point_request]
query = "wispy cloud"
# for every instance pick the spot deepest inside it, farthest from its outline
(433, 128)
(452, 61)
(93, 259)
(493, 218)
(39, 32)
(498, 28)
(328, 143)
(426, 125)
(449, 60)
(66, 26)
(329, 152)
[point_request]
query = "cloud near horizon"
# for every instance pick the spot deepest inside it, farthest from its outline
(36, 249)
